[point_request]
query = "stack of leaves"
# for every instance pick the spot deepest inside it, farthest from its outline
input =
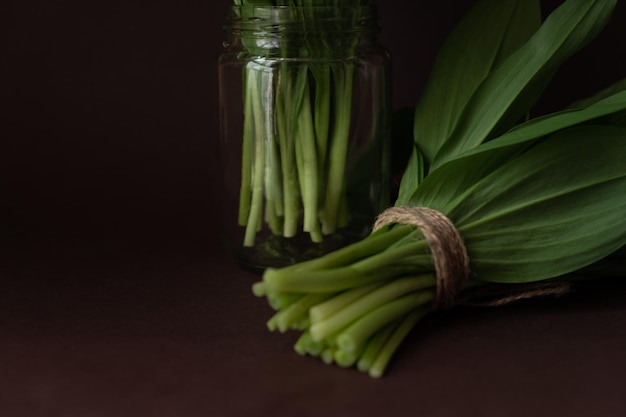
(538, 200)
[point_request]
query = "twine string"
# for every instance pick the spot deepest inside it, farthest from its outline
(446, 245)
(451, 263)
(502, 294)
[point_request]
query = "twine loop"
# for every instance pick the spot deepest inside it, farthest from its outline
(451, 263)
(450, 258)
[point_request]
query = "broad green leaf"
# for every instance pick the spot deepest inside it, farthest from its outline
(412, 177)
(554, 209)
(524, 22)
(445, 187)
(467, 56)
(463, 62)
(512, 88)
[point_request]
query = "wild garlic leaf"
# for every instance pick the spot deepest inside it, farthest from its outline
(445, 188)
(465, 59)
(512, 88)
(412, 177)
(524, 22)
(554, 209)
(467, 56)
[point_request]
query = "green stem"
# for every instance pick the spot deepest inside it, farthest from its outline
(374, 346)
(323, 88)
(328, 355)
(372, 301)
(395, 256)
(303, 324)
(382, 360)
(273, 187)
(320, 275)
(326, 281)
(371, 245)
(280, 301)
(339, 146)
(358, 332)
(307, 345)
(285, 319)
(346, 359)
(308, 163)
(247, 148)
(286, 134)
(330, 307)
(259, 289)
(256, 205)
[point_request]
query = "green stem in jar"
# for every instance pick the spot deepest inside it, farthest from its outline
(335, 187)
(274, 208)
(256, 203)
(288, 168)
(309, 165)
(297, 108)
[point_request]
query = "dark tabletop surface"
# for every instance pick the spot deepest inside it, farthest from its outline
(120, 329)
(117, 299)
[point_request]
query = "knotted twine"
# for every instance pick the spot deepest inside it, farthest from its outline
(452, 263)
(446, 245)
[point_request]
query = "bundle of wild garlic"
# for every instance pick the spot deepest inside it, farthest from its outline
(487, 199)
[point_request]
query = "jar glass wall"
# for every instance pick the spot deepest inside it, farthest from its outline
(304, 143)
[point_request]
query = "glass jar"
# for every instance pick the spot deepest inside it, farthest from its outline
(304, 131)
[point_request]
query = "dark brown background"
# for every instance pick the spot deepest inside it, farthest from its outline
(115, 297)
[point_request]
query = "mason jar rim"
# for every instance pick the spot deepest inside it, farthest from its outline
(281, 18)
